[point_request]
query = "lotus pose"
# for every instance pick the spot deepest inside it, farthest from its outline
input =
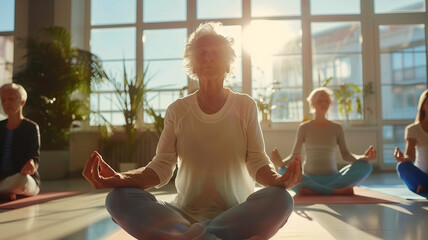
(321, 137)
(414, 170)
(214, 138)
(19, 146)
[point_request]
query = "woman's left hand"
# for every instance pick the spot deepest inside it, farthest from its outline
(370, 154)
(29, 168)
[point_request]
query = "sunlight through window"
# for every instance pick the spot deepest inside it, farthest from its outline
(264, 38)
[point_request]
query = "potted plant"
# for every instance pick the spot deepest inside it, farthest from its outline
(349, 97)
(265, 103)
(130, 95)
(54, 74)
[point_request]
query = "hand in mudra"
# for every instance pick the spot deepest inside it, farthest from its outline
(99, 174)
(293, 176)
(370, 154)
(29, 168)
(399, 156)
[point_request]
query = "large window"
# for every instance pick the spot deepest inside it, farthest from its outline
(275, 47)
(336, 51)
(7, 24)
(163, 51)
(403, 73)
(285, 48)
(403, 69)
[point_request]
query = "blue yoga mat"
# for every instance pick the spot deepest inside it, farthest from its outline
(398, 190)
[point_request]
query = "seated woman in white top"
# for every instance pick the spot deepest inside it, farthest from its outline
(321, 138)
(214, 138)
(412, 167)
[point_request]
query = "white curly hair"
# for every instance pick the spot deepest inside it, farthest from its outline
(20, 91)
(214, 29)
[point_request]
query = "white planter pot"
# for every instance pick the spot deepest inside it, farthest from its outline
(53, 164)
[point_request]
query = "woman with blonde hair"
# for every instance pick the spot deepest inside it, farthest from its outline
(321, 138)
(19, 146)
(412, 166)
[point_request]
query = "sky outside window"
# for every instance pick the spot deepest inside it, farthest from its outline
(275, 8)
(7, 15)
(399, 6)
(164, 10)
(335, 7)
(107, 12)
(218, 9)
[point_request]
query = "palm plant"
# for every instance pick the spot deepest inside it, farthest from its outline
(54, 72)
(130, 97)
(158, 120)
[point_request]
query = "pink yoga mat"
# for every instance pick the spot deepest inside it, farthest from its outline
(362, 196)
(42, 197)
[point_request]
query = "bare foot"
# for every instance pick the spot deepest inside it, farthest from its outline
(276, 158)
(348, 191)
(12, 196)
(306, 192)
(421, 189)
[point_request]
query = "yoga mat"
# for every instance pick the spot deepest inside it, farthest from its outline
(42, 197)
(362, 196)
(297, 227)
(398, 190)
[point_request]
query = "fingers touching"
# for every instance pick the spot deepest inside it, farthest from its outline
(91, 170)
(293, 175)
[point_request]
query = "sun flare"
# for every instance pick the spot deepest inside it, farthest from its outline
(263, 38)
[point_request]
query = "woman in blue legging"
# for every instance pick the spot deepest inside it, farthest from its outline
(412, 167)
(321, 136)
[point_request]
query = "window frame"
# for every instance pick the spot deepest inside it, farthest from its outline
(370, 51)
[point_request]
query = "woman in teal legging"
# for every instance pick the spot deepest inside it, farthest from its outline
(320, 137)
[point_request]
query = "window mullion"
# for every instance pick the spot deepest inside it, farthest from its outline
(246, 58)
(306, 53)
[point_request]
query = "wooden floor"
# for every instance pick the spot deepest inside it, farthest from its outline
(84, 217)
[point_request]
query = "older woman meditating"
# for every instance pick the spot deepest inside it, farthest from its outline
(321, 138)
(19, 146)
(214, 137)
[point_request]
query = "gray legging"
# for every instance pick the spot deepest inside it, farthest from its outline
(140, 214)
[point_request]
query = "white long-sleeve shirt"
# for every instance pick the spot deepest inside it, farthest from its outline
(217, 154)
(320, 148)
(415, 131)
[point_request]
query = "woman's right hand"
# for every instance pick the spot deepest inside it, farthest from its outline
(399, 156)
(293, 176)
(99, 174)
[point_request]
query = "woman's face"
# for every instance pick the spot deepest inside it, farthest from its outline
(211, 58)
(322, 102)
(10, 101)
